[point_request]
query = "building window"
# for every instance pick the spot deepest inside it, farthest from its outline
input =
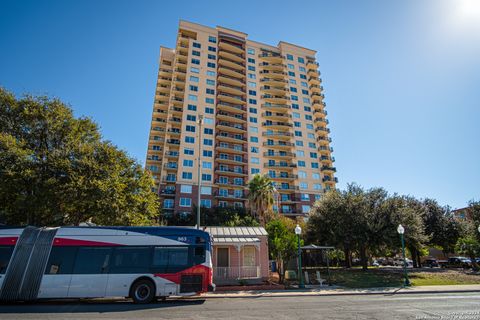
(186, 188)
(168, 204)
(300, 153)
(212, 39)
(189, 139)
(208, 120)
(303, 185)
(210, 82)
(254, 170)
(302, 174)
(187, 175)
(206, 165)
(212, 57)
(289, 57)
(207, 203)
(316, 176)
(317, 186)
(252, 101)
(301, 60)
(194, 70)
(251, 51)
(295, 106)
(212, 49)
(193, 79)
(253, 120)
(252, 76)
(210, 73)
(299, 143)
(304, 84)
(298, 133)
(190, 128)
(208, 142)
(195, 61)
(209, 110)
(253, 139)
(207, 153)
(192, 107)
(207, 131)
(206, 190)
(185, 202)
(197, 45)
(252, 84)
(188, 151)
(206, 177)
(252, 92)
(314, 165)
(209, 100)
(191, 117)
(252, 110)
(251, 60)
(255, 160)
(293, 89)
(251, 68)
(301, 163)
(210, 91)
(305, 208)
(192, 97)
(187, 163)
(196, 53)
(211, 65)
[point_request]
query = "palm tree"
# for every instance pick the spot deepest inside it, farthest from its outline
(261, 197)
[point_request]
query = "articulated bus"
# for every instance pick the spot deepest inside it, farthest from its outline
(142, 263)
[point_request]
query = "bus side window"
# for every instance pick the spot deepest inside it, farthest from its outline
(170, 259)
(199, 254)
(92, 260)
(61, 260)
(5, 255)
(131, 260)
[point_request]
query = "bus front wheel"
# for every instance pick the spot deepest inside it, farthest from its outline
(142, 291)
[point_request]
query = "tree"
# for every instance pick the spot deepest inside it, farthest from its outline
(261, 197)
(469, 244)
(282, 242)
(55, 169)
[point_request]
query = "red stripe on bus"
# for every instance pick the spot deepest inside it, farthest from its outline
(8, 241)
(198, 269)
(59, 242)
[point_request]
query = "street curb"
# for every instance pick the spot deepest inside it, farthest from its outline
(320, 294)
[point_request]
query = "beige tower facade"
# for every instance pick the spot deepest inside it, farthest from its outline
(238, 108)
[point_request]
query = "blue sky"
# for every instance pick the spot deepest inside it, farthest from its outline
(401, 78)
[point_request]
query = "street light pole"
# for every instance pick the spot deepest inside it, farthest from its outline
(200, 120)
(401, 231)
(298, 232)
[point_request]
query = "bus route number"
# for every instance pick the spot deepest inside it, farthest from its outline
(182, 239)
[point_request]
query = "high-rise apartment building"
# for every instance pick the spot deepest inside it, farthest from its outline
(241, 108)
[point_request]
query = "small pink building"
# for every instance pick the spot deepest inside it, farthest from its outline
(239, 253)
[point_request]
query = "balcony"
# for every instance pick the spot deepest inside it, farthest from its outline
(275, 90)
(164, 80)
(176, 111)
(313, 72)
(283, 176)
(327, 159)
(172, 154)
(231, 127)
(236, 273)
(273, 81)
(328, 169)
(230, 183)
(230, 47)
(230, 171)
(275, 99)
(314, 80)
(279, 144)
(283, 188)
(167, 192)
(237, 118)
(173, 142)
(177, 101)
(231, 56)
(230, 80)
(222, 61)
(272, 66)
(169, 179)
(228, 88)
(276, 107)
(328, 179)
(170, 166)
(277, 125)
(281, 154)
(230, 98)
(277, 115)
(324, 140)
(280, 165)
(321, 111)
(231, 196)
(312, 64)
(231, 160)
(231, 72)
(230, 137)
(272, 57)
(175, 119)
(158, 120)
(273, 74)
(174, 131)
(238, 149)
(321, 121)
(230, 107)
(163, 88)
(322, 130)
(278, 135)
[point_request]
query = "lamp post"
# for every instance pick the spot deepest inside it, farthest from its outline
(401, 231)
(298, 232)
(200, 121)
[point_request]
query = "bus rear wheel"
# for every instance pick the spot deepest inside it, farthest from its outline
(142, 291)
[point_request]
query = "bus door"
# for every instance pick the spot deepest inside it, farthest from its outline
(90, 272)
(58, 273)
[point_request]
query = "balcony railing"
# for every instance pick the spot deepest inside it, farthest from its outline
(222, 135)
(231, 105)
(283, 106)
(279, 154)
(227, 195)
(223, 169)
(275, 124)
(273, 80)
(278, 144)
(229, 183)
(241, 272)
(328, 168)
(239, 160)
(280, 165)
(269, 96)
(276, 134)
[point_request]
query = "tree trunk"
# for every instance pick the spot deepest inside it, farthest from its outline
(348, 258)
(413, 251)
(363, 257)
(419, 260)
(280, 271)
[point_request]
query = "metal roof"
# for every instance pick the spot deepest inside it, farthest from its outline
(236, 232)
(315, 247)
(235, 240)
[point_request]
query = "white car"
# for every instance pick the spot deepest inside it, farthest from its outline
(399, 262)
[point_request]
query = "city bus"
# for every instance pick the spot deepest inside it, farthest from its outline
(141, 263)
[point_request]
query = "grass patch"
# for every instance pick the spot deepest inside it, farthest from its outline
(377, 278)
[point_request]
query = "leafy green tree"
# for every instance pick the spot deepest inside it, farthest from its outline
(469, 243)
(282, 242)
(261, 197)
(56, 170)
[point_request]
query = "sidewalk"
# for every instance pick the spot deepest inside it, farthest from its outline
(330, 291)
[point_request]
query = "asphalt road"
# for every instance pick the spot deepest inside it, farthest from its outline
(407, 306)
